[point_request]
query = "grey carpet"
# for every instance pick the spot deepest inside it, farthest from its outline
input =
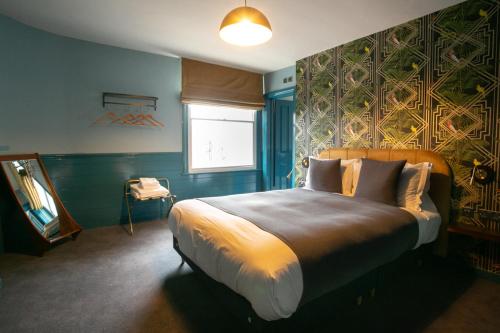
(107, 281)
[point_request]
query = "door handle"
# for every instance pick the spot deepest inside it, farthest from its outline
(289, 174)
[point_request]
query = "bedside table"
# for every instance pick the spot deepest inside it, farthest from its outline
(475, 232)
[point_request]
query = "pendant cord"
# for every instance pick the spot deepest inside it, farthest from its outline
(245, 3)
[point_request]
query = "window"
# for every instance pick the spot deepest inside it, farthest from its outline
(220, 138)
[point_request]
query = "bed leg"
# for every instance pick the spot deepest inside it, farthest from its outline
(255, 324)
(176, 248)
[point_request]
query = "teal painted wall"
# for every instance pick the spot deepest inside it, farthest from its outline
(274, 81)
(91, 185)
(50, 92)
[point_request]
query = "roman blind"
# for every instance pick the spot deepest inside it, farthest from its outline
(213, 84)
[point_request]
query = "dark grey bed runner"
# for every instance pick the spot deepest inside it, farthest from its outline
(335, 238)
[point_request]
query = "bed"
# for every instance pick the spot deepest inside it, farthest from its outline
(277, 271)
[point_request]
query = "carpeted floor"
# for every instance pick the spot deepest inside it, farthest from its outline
(107, 281)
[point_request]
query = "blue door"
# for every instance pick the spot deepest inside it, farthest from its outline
(283, 144)
(280, 139)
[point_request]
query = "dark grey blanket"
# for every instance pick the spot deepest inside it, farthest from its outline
(335, 238)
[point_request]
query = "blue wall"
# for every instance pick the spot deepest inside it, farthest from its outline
(91, 185)
(51, 91)
(50, 88)
(274, 81)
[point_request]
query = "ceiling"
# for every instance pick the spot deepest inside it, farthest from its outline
(189, 28)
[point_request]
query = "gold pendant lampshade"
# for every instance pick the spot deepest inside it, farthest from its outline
(245, 26)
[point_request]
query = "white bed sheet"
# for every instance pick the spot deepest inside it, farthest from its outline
(236, 252)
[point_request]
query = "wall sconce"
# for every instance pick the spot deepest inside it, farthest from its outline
(305, 162)
(481, 174)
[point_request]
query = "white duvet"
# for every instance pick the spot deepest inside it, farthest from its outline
(252, 262)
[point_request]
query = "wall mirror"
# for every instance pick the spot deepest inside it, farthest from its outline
(34, 217)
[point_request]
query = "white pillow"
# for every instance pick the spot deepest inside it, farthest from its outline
(307, 184)
(355, 174)
(347, 169)
(414, 182)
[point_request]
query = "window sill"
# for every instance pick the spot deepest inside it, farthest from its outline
(204, 172)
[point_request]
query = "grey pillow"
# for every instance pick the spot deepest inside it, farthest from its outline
(324, 175)
(378, 180)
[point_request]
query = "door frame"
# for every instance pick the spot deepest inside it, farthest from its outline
(270, 97)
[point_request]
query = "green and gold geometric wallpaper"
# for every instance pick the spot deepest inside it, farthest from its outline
(431, 83)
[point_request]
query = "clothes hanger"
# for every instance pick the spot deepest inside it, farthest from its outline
(140, 120)
(129, 119)
(125, 119)
(153, 120)
(150, 121)
(108, 116)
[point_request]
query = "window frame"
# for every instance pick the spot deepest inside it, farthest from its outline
(190, 169)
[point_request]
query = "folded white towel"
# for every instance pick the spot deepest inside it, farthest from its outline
(147, 181)
(139, 189)
(143, 197)
(159, 192)
(140, 193)
(149, 186)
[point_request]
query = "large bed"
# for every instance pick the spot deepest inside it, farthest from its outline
(236, 241)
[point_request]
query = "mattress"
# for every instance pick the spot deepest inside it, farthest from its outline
(235, 252)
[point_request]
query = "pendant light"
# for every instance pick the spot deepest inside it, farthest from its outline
(245, 26)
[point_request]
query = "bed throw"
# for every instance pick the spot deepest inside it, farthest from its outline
(336, 238)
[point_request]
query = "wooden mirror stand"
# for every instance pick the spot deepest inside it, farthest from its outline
(32, 216)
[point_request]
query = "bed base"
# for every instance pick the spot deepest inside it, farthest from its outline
(235, 303)
(363, 290)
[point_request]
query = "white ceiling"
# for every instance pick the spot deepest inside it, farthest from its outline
(189, 28)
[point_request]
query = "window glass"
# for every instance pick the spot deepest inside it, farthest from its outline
(221, 137)
(221, 113)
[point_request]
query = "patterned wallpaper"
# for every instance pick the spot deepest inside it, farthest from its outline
(431, 83)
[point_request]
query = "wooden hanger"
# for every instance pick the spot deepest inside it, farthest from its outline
(125, 120)
(108, 116)
(148, 120)
(153, 120)
(140, 120)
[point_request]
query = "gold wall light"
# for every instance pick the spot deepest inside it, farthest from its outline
(245, 26)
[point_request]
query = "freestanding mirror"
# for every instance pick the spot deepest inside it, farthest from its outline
(32, 215)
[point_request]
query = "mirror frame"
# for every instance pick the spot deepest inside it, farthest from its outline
(18, 240)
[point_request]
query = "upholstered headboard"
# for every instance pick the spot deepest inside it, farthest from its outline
(441, 178)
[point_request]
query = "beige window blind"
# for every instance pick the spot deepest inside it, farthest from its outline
(206, 83)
